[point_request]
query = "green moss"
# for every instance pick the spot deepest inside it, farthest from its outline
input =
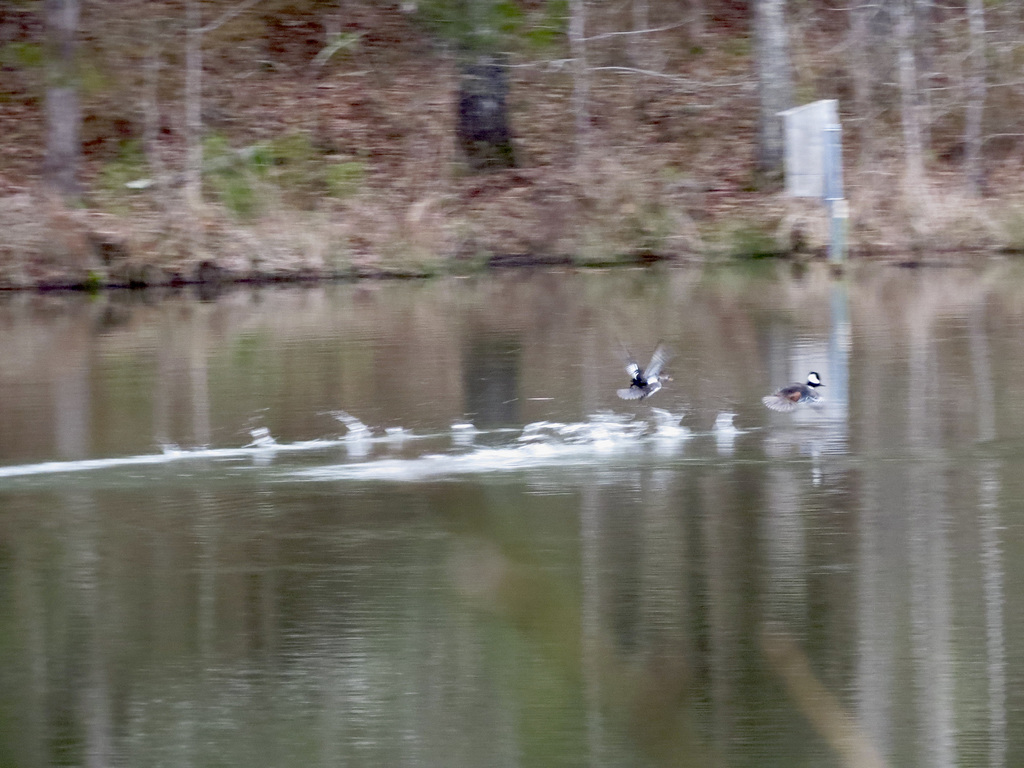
(93, 282)
(236, 193)
(744, 240)
(496, 24)
(752, 241)
(648, 227)
(286, 169)
(23, 55)
(291, 149)
(231, 175)
(93, 80)
(129, 165)
(292, 165)
(344, 179)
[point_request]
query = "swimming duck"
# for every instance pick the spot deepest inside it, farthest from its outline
(644, 382)
(787, 398)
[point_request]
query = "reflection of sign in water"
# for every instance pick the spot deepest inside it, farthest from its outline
(491, 375)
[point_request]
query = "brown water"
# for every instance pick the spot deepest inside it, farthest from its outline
(411, 524)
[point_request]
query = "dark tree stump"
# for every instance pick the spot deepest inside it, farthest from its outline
(482, 127)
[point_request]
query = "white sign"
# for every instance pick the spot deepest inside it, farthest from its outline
(805, 146)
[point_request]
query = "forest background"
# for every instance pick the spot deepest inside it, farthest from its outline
(155, 141)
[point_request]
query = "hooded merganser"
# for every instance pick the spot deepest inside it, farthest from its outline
(644, 382)
(787, 398)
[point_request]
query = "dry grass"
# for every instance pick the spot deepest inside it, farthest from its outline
(668, 173)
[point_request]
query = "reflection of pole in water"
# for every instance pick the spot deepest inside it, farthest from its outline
(207, 534)
(29, 590)
(163, 384)
(992, 575)
(791, 358)
(267, 568)
(662, 573)
(85, 583)
(723, 556)
(837, 398)
(72, 392)
(930, 611)
(589, 386)
(879, 559)
(72, 406)
(198, 377)
(991, 552)
(590, 620)
(981, 366)
(782, 530)
(491, 363)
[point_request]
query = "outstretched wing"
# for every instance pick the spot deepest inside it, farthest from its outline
(658, 359)
(778, 402)
(632, 366)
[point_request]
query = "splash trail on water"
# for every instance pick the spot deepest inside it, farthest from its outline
(603, 436)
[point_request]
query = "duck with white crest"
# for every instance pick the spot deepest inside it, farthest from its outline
(786, 399)
(644, 382)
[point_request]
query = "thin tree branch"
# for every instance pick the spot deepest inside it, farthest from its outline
(651, 31)
(559, 64)
(673, 78)
(992, 136)
(227, 16)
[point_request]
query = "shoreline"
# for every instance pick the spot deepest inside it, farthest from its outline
(206, 278)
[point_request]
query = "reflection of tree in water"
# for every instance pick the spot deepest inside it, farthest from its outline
(491, 374)
(710, 608)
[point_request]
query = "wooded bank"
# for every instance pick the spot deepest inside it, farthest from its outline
(148, 141)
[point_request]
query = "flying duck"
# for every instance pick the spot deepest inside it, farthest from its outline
(644, 382)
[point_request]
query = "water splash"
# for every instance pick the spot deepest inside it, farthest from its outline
(668, 425)
(261, 438)
(262, 447)
(725, 433)
(463, 433)
(540, 444)
(604, 436)
(356, 430)
(724, 424)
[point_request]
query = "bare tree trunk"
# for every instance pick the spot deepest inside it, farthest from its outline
(194, 93)
(639, 49)
(976, 89)
(909, 98)
(775, 82)
(151, 121)
(696, 19)
(63, 112)
(581, 83)
(193, 105)
(925, 57)
(861, 75)
(638, 45)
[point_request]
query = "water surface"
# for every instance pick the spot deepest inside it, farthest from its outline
(411, 524)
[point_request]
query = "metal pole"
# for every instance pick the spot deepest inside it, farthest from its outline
(838, 209)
